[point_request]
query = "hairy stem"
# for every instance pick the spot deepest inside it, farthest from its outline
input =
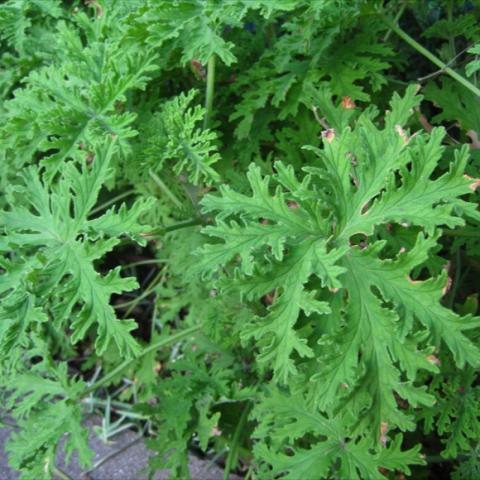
(427, 54)
(151, 348)
(210, 90)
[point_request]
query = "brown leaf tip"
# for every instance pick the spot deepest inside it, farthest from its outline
(434, 360)
(383, 433)
(402, 133)
(447, 286)
(348, 103)
(328, 135)
(475, 182)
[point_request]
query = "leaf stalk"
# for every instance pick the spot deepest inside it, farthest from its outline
(427, 54)
(175, 226)
(126, 363)
(210, 91)
(232, 457)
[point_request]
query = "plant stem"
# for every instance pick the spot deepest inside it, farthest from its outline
(185, 224)
(61, 474)
(125, 364)
(150, 261)
(233, 452)
(426, 53)
(210, 90)
(165, 189)
(112, 201)
(176, 226)
(462, 232)
(149, 290)
(449, 63)
(111, 455)
(451, 38)
(397, 18)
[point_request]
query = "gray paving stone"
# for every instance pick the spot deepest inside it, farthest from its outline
(5, 472)
(130, 464)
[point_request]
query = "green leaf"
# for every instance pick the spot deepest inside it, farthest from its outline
(176, 140)
(474, 65)
(44, 418)
(55, 231)
(206, 426)
(286, 419)
(286, 275)
(195, 26)
(68, 105)
(32, 450)
(457, 104)
(372, 326)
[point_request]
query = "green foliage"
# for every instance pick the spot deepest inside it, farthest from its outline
(272, 262)
(43, 422)
(474, 65)
(203, 382)
(455, 104)
(286, 71)
(288, 419)
(55, 245)
(366, 177)
(76, 100)
(173, 135)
